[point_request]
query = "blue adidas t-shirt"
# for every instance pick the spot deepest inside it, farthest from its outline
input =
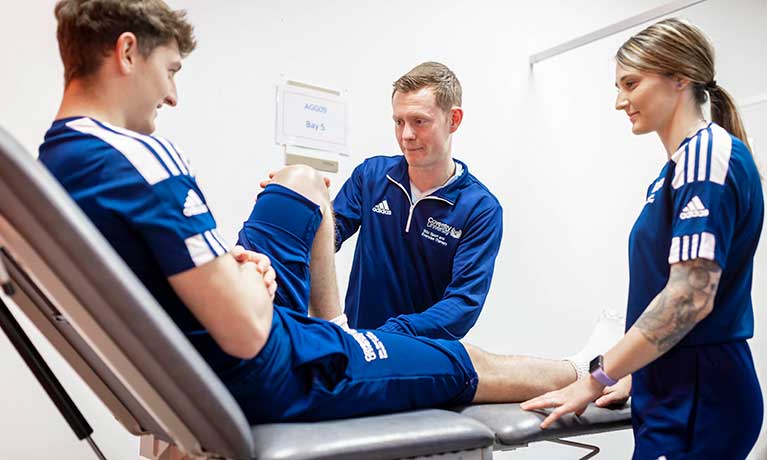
(706, 203)
(140, 193)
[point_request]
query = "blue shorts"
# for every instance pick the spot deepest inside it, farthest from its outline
(311, 369)
(697, 402)
(282, 225)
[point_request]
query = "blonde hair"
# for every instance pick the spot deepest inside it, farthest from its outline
(675, 47)
(438, 77)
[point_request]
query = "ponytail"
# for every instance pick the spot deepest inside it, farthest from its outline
(725, 114)
(674, 47)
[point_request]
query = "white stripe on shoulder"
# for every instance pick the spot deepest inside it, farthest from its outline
(153, 144)
(704, 154)
(199, 250)
(169, 147)
(721, 149)
(717, 158)
(145, 162)
(184, 158)
(679, 158)
(692, 147)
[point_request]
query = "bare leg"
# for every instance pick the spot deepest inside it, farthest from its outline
(509, 378)
(324, 299)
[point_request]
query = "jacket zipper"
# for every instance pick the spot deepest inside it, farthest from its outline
(412, 205)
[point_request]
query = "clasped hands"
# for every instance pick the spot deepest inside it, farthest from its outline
(263, 266)
(261, 261)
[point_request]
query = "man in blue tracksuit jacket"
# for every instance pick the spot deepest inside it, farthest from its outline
(429, 230)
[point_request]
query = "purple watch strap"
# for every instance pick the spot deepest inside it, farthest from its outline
(601, 377)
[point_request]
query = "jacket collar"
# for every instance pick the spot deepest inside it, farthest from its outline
(398, 174)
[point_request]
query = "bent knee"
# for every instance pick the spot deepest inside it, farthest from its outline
(300, 174)
(304, 180)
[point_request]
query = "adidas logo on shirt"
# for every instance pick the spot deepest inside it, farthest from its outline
(193, 204)
(693, 209)
(382, 208)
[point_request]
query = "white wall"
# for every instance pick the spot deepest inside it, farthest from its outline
(565, 166)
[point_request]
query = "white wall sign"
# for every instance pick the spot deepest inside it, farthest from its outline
(311, 117)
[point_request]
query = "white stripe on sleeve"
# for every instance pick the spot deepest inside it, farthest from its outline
(217, 235)
(199, 250)
(695, 246)
(707, 246)
(214, 243)
(673, 254)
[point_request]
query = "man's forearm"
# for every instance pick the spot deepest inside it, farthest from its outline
(231, 301)
(439, 321)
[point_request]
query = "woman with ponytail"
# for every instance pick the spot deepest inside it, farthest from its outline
(684, 358)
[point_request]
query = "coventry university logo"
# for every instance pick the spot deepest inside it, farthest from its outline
(445, 229)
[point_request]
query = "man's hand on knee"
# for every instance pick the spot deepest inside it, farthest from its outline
(271, 174)
(268, 181)
(263, 265)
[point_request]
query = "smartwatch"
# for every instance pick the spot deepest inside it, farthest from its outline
(597, 370)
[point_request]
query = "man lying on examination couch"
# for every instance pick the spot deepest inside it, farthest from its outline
(120, 59)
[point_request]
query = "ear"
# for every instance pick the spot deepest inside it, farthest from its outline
(456, 116)
(126, 52)
(681, 83)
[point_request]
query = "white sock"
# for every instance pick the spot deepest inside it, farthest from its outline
(341, 320)
(609, 329)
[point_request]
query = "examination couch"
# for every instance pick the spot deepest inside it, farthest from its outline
(61, 273)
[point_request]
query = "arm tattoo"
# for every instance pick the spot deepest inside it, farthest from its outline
(687, 298)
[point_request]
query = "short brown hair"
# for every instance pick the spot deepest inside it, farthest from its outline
(88, 29)
(447, 88)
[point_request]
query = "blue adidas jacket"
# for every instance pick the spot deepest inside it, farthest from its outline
(422, 268)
